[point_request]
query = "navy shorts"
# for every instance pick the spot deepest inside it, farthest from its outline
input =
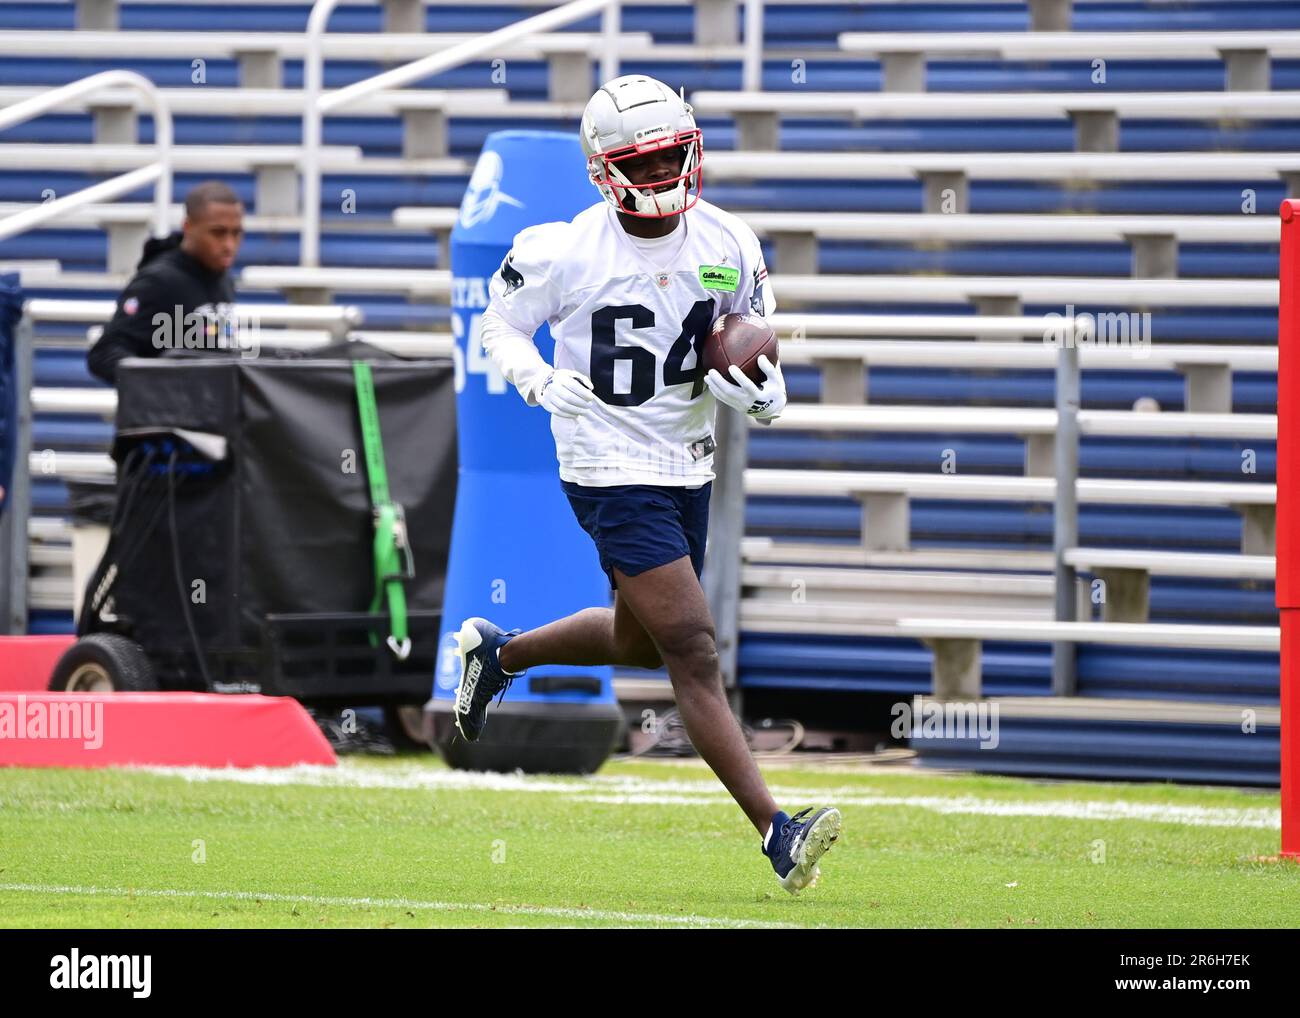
(639, 526)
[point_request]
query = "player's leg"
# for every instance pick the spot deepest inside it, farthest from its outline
(663, 591)
(491, 658)
(593, 636)
(671, 607)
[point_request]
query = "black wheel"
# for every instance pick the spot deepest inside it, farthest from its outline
(406, 726)
(104, 663)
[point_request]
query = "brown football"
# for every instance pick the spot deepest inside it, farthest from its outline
(740, 340)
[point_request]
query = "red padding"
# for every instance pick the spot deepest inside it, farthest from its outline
(157, 729)
(27, 662)
(1287, 588)
(1290, 618)
(1288, 416)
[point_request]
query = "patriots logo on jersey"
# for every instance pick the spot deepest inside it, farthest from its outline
(756, 298)
(513, 279)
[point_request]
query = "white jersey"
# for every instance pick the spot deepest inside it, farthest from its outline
(632, 315)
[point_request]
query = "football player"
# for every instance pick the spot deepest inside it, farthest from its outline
(630, 288)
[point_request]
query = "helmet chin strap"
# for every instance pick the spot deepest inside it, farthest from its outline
(646, 201)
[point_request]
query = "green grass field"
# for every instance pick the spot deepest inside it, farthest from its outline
(405, 842)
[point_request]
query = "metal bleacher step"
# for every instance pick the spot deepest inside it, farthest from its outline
(770, 550)
(1088, 708)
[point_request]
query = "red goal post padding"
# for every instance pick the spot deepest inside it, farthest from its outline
(1288, 516)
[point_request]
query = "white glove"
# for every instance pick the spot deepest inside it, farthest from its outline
(566, 393)
(763, 403)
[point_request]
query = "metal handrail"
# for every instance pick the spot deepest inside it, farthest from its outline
(158, 172)
(751, 68)
(316, 105)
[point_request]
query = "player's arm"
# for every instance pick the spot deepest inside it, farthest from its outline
(130, 332)
(523, 295)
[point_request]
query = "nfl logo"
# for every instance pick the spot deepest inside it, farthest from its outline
(663, 279)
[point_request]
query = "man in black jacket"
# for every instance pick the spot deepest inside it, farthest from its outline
(181, 295)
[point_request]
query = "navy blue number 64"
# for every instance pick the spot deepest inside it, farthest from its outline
(605, 352)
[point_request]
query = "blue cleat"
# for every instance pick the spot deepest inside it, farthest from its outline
(796, 843)
(481, 674)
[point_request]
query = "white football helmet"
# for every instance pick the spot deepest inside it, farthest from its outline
(629, 117)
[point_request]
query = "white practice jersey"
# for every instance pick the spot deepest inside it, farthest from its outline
(632, 316)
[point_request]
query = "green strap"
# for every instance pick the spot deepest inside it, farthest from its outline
(392, 552)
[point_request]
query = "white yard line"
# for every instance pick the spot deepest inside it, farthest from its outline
(623, 790)
(1191, 816)
(401, 903)
(351, 775)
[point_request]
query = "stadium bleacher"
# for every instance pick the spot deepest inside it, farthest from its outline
(888, 302)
